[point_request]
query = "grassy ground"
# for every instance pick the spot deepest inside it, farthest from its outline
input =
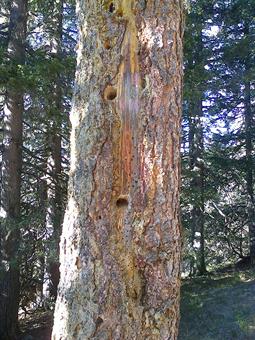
(37, 327)
(218, 308)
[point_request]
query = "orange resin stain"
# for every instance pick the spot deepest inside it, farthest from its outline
(128, 100)
(125, 141)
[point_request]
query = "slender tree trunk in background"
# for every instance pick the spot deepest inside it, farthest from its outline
(57, 212)
(11, 178)
(196, 150)
(249, 128)
(195, 62)
(43, 207)
(121, 242)
(55, 143)
(249, 169)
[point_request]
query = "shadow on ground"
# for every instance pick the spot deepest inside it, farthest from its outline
(37, 327)
(218, 308)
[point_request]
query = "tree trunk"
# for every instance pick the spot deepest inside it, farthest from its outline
(196, 150)
(121, 243)
(249, 170)
(194, 72)
(56, 151)
(57, 211)
(249, 128)
(11, 178)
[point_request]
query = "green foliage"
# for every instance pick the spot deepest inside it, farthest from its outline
(219, 61)
(46, 79)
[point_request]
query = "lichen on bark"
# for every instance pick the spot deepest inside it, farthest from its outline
(120, 247)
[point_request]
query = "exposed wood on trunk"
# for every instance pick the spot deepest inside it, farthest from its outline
(120, 248)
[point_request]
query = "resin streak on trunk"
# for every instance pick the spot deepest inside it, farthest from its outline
(128, 107)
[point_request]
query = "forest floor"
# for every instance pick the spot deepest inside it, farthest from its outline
(218, 307)
(37, 326)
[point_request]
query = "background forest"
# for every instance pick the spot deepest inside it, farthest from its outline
(218, 208)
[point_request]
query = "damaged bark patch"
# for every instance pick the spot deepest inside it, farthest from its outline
(78, 263)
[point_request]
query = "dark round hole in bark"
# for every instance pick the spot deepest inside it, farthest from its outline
(107, 44)
(111, 8)
(110, 93)
(122, 202)
(120, 13)
(99, 321)
(99, 217)
(143, 83)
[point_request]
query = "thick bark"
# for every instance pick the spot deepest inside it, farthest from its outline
(120, 247)
(11, 178)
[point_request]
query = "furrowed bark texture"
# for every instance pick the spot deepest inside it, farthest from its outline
(11, 178)
(120, 247)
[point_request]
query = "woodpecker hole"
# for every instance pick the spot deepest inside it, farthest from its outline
(99, 321)
(107, 44)
(122, 202)
(111, 7)
(119, 13)
(110, 93)
(143, 83)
